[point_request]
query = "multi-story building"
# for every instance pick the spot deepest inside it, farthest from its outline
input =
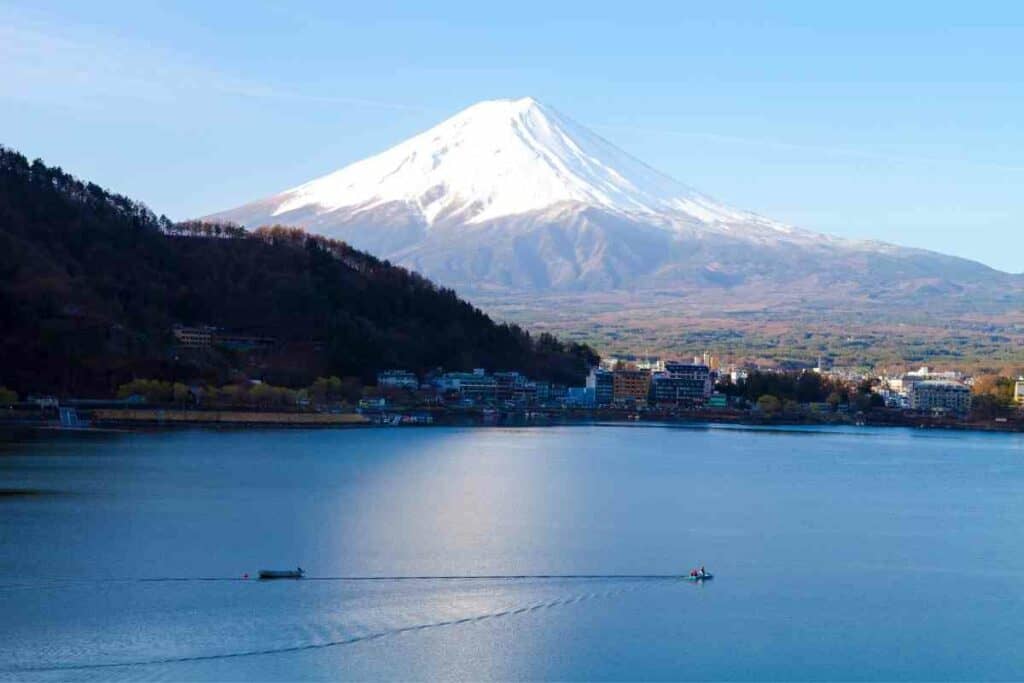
(936, 396)
(512, 386)
(549, 392)
(397, 379)
(682, 384)
(476, 386)
(630, 385)
(602, 383)
(1018, 391)
(206, 337)
(904, 383)
(193, 337)
(579, 397)
(545, 393)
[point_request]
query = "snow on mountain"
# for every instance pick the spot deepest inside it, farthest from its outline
(513, 195)
(501, 158)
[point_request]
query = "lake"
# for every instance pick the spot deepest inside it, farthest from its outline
(845, 553)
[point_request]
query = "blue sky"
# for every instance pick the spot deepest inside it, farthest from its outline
(896, 121)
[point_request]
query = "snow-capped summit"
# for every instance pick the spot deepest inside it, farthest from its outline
(498, 158)
(502, 158)
(513, 195)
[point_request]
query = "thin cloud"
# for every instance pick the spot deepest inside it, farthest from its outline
(81, 67)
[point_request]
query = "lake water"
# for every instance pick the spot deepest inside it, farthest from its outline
(839, 553)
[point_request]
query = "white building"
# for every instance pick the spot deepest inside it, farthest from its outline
(903, 384)
(652, 364)
(925, 373)
(738, 375)
(935, 396)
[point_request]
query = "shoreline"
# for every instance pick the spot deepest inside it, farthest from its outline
(138, 419)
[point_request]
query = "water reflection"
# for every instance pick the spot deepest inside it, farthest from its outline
(815, 540)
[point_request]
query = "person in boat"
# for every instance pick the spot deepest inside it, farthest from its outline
(693, 573)
(703, 572)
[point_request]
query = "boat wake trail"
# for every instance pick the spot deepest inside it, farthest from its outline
(536, 607)
(59, 582)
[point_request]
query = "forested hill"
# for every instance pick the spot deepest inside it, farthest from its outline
(92, 284)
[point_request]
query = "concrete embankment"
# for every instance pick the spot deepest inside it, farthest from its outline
(114, 416)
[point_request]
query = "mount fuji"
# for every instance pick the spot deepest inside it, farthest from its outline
(511, 196)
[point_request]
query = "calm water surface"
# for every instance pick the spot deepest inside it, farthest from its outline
(853, 554)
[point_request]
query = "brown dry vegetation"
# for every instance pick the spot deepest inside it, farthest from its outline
(845, 334)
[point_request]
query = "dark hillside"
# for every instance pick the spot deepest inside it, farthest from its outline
(92, 283)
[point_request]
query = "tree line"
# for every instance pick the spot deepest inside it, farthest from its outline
(773, 392)
(324, 391)
(993, 396)
(92, 283)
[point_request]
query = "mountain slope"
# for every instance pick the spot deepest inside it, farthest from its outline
(512, 196)
(91, 284)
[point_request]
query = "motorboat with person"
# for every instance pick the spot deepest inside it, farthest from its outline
(701, 574)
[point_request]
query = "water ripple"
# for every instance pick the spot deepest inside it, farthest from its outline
(550, 604)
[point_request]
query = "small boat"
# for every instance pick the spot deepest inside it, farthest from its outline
(706, 576)
(281, 573)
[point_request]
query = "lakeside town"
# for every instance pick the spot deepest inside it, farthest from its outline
(618, 388)
(212, 324)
